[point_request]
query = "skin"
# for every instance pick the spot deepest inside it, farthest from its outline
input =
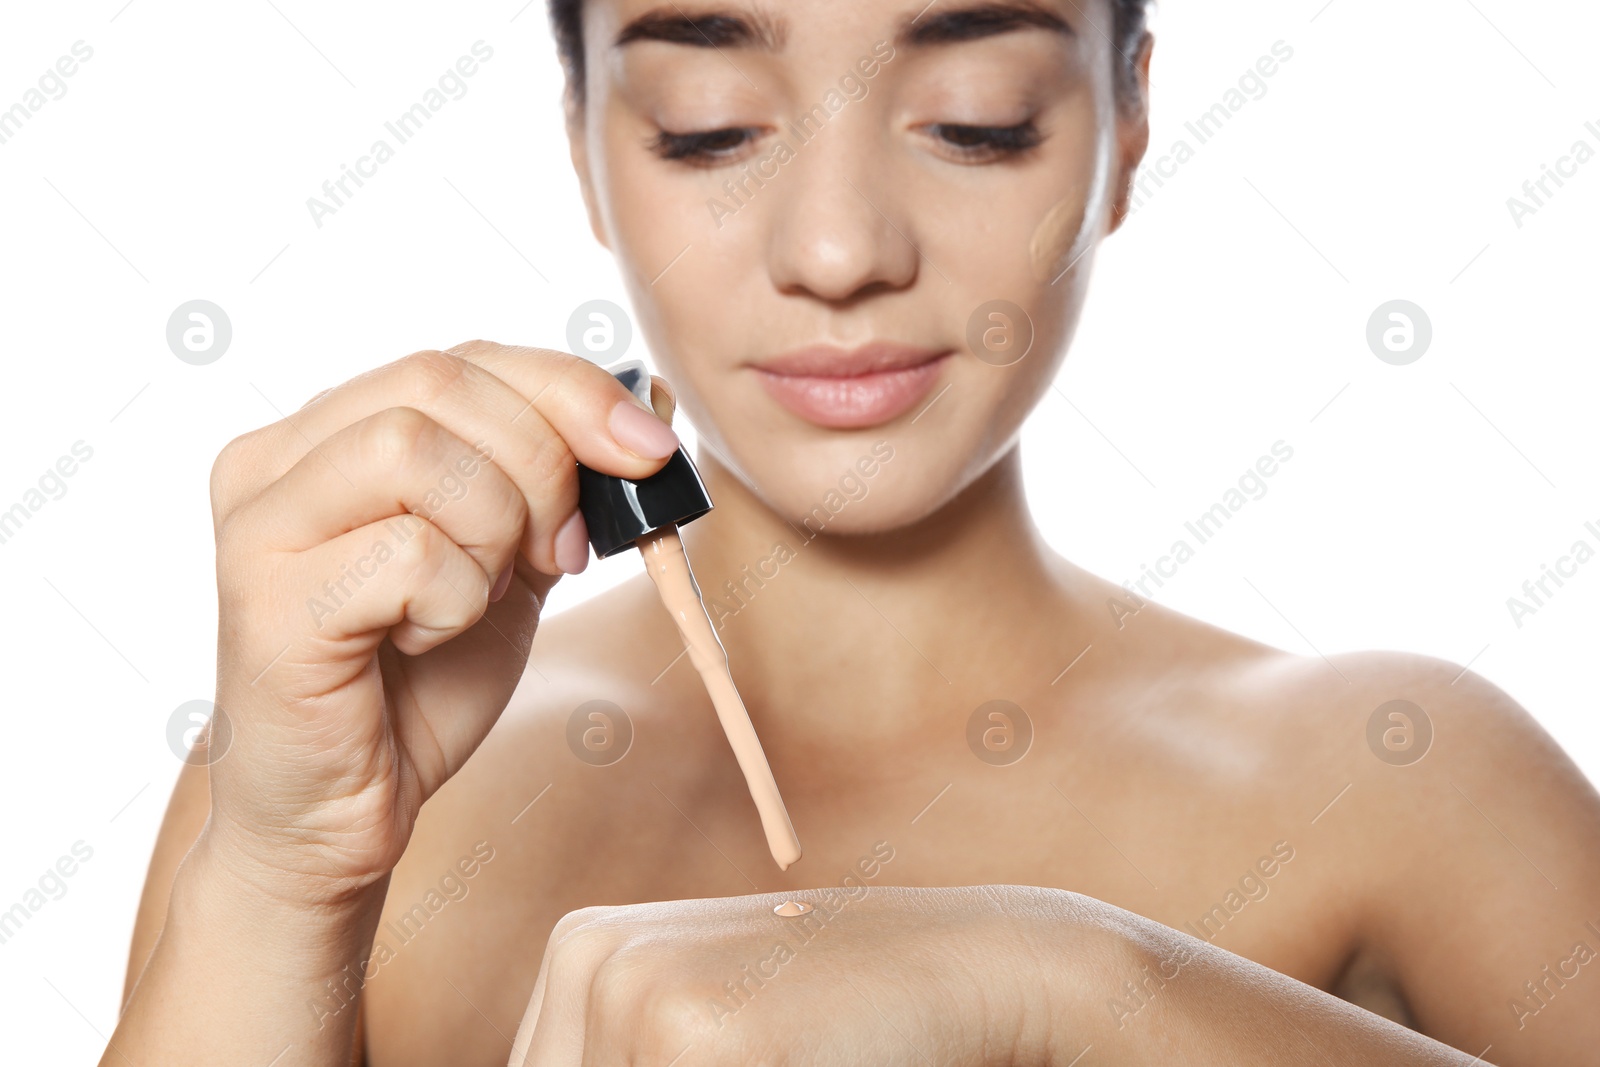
(1171, 763)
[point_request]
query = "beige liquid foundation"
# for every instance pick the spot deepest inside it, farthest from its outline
(647, 513)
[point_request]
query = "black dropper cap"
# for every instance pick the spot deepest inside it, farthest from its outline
(619, 512)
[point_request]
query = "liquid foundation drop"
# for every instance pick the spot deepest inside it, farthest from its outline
(668, 567)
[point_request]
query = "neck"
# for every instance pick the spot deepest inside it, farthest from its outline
(885, 625)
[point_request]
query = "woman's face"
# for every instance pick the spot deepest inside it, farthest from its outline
(816, 205)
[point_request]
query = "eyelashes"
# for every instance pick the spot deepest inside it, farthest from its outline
(986, 143)
(972, 144)
(702, 148)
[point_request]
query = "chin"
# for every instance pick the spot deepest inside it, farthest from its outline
(862, 483)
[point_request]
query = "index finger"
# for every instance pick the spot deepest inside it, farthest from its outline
(591, 410)
(604, 426)
(538, 413)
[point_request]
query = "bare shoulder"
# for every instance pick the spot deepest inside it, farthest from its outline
(1386, 721)
(1423, 747)
(1405, 724)
(1447, 841)
(1403, 765)
(1457, 842)
(1470, 844)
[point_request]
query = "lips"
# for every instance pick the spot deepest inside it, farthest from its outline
(851, 389)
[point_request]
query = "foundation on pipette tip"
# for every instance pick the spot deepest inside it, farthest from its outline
(647, 513)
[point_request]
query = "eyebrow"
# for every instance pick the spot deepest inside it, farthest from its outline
(710, 29)
(976, 21)
(756, 29)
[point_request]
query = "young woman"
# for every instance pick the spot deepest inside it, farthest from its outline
(1200, 859)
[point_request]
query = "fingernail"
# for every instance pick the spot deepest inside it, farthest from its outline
(668, 405)
(502, 583)
(572, 545)
(640, 432)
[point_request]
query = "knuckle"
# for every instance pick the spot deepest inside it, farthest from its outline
(231, 473)
(588, 936)
(619, 989)
(468, 349)
(231, 459)
(317, 397)
(573, 376)
(395, 437)
(426, 558)
(423, 560)
(551, 462)
(421, 554)
(582, 922)
(427, 375)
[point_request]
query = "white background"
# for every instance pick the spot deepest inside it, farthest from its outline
(1231, 313)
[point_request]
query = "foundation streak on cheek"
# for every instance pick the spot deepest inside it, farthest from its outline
(1058, 239)
(668, 567)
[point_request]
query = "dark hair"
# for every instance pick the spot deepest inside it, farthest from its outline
(1127, 36)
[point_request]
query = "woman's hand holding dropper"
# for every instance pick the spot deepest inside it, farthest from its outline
(382, 557)
(375, 618)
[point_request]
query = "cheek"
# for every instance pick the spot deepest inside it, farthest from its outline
(648, 216)
(669, 253)
(651, 211)
(1058, 235)
(1070, 224)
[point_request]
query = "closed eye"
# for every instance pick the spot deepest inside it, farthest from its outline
(974, 144)
(703, 147)
(980, 144)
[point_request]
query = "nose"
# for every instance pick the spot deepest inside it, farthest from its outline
(840, 230)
